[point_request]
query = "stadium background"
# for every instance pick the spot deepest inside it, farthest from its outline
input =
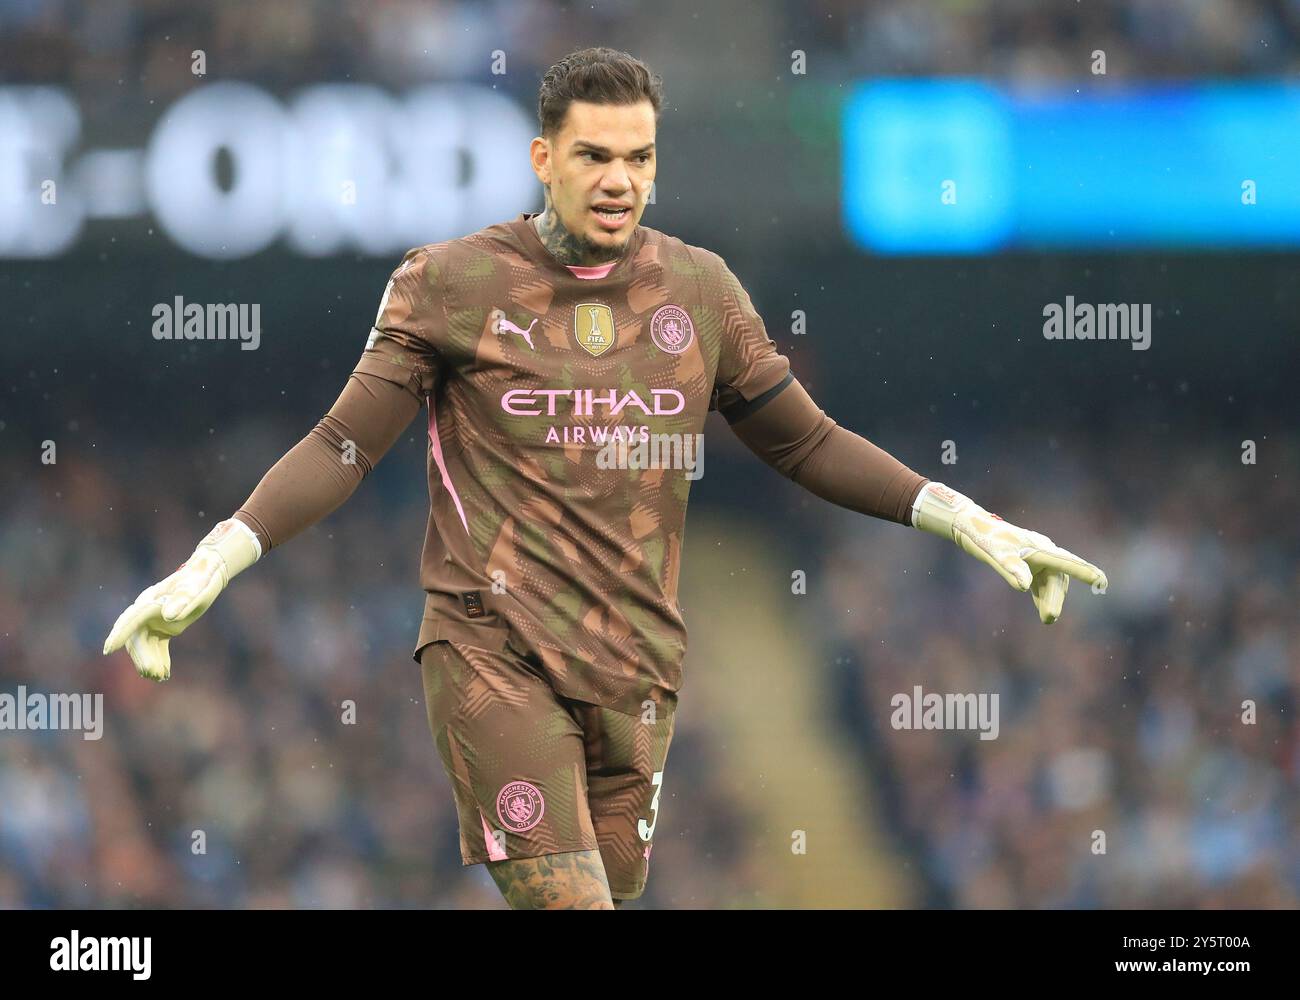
(1124, 717)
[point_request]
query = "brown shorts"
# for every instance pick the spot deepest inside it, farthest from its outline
(535, 773)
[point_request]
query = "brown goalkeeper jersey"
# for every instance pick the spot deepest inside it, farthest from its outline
(565, 406)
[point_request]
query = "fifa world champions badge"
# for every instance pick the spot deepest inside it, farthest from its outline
(520, 806)
(671, 329)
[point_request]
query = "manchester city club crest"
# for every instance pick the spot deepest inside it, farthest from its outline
(520, 806)
(593, 325)
(671, 329)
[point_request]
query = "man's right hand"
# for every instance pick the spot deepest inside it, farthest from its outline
(170, 606)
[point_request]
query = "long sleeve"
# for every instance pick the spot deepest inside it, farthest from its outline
(792, 434)
(322, 470)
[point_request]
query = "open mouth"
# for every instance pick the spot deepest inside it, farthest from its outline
(611, 218)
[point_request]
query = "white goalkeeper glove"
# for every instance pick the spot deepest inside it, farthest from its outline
(1025, 559)
(172, 605)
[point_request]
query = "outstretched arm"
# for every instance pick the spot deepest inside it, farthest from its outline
(322, 470)
(312, 479)
(792, 434)
(789, 432)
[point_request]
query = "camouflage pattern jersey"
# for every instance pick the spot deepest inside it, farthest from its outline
(531, 368)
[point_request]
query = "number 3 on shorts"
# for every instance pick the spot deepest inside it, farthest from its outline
(647, 830)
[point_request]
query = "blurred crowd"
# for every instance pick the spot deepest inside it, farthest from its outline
(1125, 717)
(1031, 40)
(1123, 773)
(135, 51)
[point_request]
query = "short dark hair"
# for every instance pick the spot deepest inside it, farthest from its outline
(600, 76)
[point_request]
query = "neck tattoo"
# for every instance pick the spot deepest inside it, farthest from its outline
(564, 246)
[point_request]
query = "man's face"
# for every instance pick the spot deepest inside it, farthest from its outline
(603, 155)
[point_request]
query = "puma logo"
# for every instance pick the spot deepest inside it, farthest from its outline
(502, 325)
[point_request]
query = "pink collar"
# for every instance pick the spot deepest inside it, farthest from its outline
(599, 271)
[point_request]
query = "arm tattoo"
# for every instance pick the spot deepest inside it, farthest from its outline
(573, 881)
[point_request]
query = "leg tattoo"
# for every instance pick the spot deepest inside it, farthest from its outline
(573, 881)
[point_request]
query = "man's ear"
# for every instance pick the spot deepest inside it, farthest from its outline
(540, 155)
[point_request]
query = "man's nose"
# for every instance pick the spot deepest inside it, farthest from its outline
(616, 179)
